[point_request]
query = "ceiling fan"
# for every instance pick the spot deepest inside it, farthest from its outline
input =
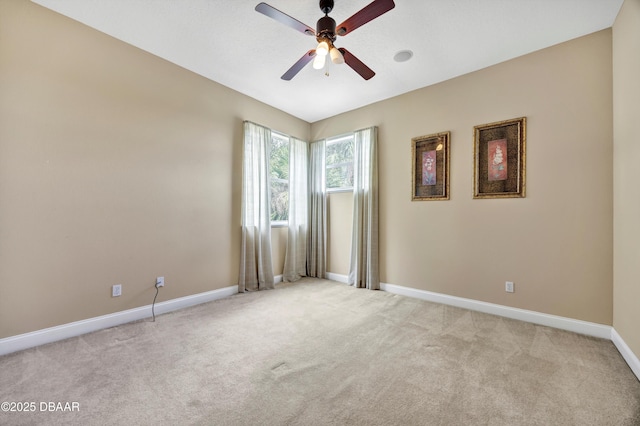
(326, 32)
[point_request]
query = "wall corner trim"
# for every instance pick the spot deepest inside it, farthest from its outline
(65, 331)
(626, 352)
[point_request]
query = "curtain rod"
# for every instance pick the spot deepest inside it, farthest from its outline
(344, 135)
(276, 131)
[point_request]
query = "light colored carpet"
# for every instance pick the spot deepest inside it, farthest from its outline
(322, 353)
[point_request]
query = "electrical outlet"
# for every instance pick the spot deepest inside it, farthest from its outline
(160, 282)
(508, 287)
(116, 290)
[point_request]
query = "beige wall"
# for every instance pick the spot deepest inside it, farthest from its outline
(278, 248)
(339, 218)
(626, 175)
(115, 167)
(555, 244)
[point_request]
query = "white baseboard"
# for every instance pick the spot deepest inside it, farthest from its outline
(626, 352)
(277, 279)
(563, 323)
(582, 327)
(65, 331)
(338, 277)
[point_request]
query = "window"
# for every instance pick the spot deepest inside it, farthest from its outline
(279, 164)
(339, 158)
(339, 169)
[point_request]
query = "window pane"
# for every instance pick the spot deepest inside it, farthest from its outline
(340, 152)
(340, 177)
(279, 200)
(340, 163)
(279, 158)
(279, 163)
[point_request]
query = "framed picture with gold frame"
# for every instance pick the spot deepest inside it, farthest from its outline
(430, 161)
(499, 155)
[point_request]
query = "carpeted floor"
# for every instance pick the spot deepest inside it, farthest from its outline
(322, 353)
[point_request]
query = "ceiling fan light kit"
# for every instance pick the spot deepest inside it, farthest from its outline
(336, 56)
(326, 35)
(323, 48)
(319, 62)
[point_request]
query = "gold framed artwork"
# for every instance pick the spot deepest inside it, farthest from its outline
(430, 167)
(499, 155)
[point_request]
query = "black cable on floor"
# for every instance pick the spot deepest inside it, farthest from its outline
(153, 313)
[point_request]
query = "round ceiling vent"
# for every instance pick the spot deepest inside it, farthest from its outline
(403, 56)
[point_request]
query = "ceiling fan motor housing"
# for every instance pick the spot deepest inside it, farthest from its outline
(326, 28)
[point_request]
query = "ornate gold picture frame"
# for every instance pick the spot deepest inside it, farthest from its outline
(499, 152)
(430, 161)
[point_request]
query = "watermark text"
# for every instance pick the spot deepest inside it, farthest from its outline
(32, 406)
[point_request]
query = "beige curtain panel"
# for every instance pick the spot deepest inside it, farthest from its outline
(256, 269)
(317, 237)
(364, 265)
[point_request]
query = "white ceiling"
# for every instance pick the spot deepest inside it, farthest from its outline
(229, 42)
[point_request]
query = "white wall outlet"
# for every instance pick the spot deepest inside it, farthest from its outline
(508, 287)
(160, 282)
(116, 290)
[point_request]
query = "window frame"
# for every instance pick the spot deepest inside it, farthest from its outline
(331, 141)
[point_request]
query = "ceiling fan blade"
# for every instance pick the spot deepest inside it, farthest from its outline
(357, 65)
(366, 14)
(283, 18)
(295, 69)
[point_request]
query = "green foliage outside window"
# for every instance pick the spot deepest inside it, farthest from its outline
(339, 169)
(340, 163)
(279, 163)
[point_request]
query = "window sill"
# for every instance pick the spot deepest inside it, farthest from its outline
(280, 224)
(338, 190)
